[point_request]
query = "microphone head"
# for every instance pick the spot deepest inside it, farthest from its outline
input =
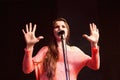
(61, 32)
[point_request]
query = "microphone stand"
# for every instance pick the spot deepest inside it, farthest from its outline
(65, 57)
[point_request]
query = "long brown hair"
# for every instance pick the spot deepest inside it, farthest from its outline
(52, 56)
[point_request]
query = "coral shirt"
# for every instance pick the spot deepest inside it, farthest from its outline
(76, 59)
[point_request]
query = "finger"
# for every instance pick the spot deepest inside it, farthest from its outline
(34, 28)
(97, 30)
(40, 37)
(91, 29)
(30, 27)
(86, 36)
(26, 27)
(23, 31)
(93, 26)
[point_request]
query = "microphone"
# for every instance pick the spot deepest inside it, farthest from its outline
(61, 32)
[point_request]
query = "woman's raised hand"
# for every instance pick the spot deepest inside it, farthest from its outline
(29, 35)
(94, 35)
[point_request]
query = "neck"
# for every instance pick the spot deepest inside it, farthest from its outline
(59, 43)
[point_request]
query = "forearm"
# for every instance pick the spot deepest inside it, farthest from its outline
(28, 65)
(94, 61)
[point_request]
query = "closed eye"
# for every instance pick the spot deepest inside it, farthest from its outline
(56, 27)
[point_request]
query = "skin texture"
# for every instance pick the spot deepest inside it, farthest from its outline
(77, 59)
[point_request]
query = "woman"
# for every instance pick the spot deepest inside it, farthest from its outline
(48, 63)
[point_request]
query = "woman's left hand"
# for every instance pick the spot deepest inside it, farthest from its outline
(94, 35)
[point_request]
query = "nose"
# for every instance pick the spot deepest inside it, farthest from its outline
(60, 28)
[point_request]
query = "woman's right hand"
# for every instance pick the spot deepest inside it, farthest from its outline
(29, 35)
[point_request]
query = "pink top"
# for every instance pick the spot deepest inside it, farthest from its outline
(76, 59)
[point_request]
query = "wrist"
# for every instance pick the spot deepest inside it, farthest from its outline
(94, 45)
(28, 47)
(28, 52)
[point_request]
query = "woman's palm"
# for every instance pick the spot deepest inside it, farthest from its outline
(30, 35)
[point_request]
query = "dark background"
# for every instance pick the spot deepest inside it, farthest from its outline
(14, 14)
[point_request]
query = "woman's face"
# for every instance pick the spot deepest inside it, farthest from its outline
(58, 26)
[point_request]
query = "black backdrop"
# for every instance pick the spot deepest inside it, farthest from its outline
(16, 13)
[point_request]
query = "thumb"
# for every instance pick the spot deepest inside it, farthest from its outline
(40, 37)
(86, 36)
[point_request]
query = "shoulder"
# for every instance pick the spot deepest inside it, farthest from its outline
(40, 54)
(75, 48)
(80, 53)
(44, 48)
